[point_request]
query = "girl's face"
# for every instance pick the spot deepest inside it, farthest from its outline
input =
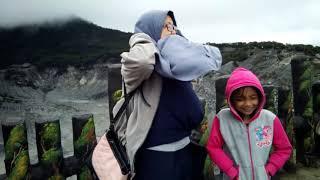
(168, 28)
(245, 100)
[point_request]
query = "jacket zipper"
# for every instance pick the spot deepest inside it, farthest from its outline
(252, 169)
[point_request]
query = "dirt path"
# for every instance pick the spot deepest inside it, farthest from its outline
(302, 174)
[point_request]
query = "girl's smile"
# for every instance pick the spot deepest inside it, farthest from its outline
(245, 101)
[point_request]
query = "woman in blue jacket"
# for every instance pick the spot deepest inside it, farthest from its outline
(162, 63)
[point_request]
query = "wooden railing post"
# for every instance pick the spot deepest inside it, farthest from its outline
(48, 136)
(114, 83)
(302, 101)
(285, 114)
(2, 165)
(316, 116)
(285, 111)
(220, 96)
(271, 93)
(84, 141)
(15, 150)
(316, 106)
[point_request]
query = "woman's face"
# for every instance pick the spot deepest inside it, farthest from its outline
(168, 28)
(245, 100)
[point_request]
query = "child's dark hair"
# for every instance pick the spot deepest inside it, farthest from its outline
(240, 91)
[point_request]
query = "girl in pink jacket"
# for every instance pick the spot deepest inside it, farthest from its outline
(243, 134)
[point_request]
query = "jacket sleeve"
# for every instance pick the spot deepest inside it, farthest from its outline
(138, 63)
(216, 153)
(282, 148)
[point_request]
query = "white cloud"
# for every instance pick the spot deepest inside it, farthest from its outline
(287, 21)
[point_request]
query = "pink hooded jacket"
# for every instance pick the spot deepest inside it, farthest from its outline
(242, 151)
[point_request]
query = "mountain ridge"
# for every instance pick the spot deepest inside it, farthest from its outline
(75, 42)
(78, 42)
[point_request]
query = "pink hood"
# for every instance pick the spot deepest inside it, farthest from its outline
(241, 77)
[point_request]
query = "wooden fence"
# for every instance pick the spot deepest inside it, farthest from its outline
(298, 108)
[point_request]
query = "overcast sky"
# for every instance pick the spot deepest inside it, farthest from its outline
(286, 21)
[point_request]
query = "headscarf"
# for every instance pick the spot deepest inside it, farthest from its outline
(179, 58)
(152, 23)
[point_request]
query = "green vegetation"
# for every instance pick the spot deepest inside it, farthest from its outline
(288, 101)
(288, 104)
(307, 49)
(51, 156)
(270, 101)
(56, 177)
(239, 54)
(84, 145)
(85, 174)
(240, 51)
(50, 135)
(116, 96)
(203, 128)
(50, 144)
(305, 88)
(289, 125)
(308, 144)
(305, 79)
(16, 153)
(308, 111)
(86, 140)
(209, 168)
(20, 166)
(17, 140)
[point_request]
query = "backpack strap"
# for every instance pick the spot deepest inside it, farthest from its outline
(127, 98)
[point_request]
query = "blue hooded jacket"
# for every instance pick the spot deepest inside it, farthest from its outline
(179, 58)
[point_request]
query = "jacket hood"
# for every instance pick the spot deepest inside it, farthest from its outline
(152, 22)
(241, 77)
